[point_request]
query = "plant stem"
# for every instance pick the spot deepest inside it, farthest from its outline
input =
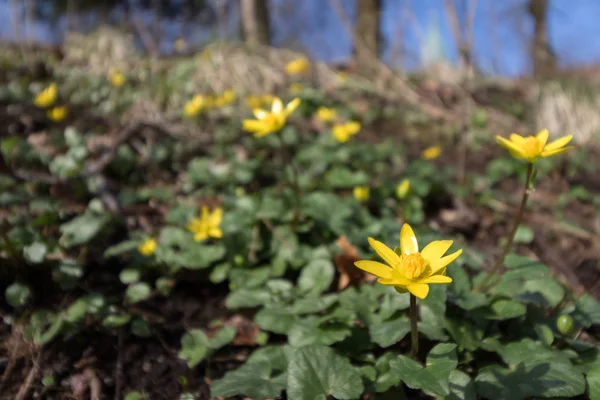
(297, 195)
(414, 333)
(511, 238)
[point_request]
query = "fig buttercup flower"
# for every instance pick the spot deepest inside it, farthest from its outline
(297, 66)
(325, 114)
(195, 105)
(208, 225)
(227, 98)
(47, 97)
(147, 247)
(267, 122)
(117, 78)
(57, 113)
(431, 153)
(531, 148)
(343, 132)
(408, 268)
(403, 189)
(361, 193)
(295, 87)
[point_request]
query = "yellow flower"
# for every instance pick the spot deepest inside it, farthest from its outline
(227, 98)
(408, 269)
(208, 225)
(180, 45)
(254, 101)
(267, 122)
(326, 114)
(117, 79)
(533, 147)
(147, 247)
(57, 113)
(296, 87)
(195, 105)
(361, 193)
(431, 153)
(341, 77)
(297, 66)
(403, 189)
(343, 132)
(47, 97)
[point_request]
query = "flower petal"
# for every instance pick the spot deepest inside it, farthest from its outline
(376, 268)
(200, 236)
(436, 279)
(252, 125)
(277, 106)
(260, 113)
(291, 106)
(542, 137)
(386, 253)
(507, 144)
(438, 265)
(554, 152)
(216, 217)
(436, 250)
(558, 143)
(421, 290)
(517, 139)
(408, 241)
(215, 232)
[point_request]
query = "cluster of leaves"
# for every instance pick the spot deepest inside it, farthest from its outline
(287, 199)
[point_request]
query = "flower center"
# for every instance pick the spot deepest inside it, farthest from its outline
(532, 146)
(413, 265)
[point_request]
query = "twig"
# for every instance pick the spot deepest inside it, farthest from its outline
(119, 366)
(24, 389)
(95, 384)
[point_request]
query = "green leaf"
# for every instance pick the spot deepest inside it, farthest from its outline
(526, 380)
(276, 318)
(313, 330)
(82, 229)
(316, 277)
(391, 332)
(35, 252)
(534, 370)
(339, 177)
(316, 372)
(133, 396)
(588, 310)
(116, 320)
(256, 380)
(121, 248)
(140, 328)
(129, 275)
(461, 386)
(311, 305)
(524, 235)
(434, 378)
(138, 292)
(223, 337)
(194, 347)
(502, 309)
(593, 381)
(17, 294)
(247, 298)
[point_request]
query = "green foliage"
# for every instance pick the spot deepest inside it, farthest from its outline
(317, 328)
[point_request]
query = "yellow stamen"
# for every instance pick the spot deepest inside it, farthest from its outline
(413, 266)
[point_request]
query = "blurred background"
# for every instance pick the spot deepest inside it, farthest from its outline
(509, 38)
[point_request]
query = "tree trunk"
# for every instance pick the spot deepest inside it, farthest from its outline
(254, 18)
(544, 59)
(367, 38)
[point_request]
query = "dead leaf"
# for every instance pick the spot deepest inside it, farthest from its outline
(349, 273)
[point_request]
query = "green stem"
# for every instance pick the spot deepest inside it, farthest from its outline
(511, 238)
(297, 195)
(414, 333)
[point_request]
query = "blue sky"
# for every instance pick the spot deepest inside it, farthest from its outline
(500, 31)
